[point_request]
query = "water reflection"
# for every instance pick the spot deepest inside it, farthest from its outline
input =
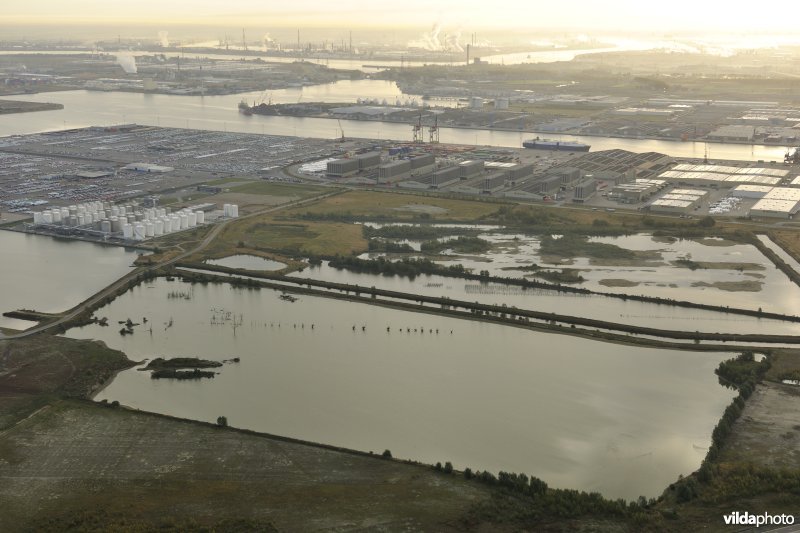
(582, 414)
(51, 275)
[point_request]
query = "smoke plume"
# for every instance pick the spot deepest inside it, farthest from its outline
(163, 39)
(127, 62)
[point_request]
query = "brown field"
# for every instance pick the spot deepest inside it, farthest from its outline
(81, 464)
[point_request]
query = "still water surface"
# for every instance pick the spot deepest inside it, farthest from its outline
(247, 262)
(595, 416)
(220, 113)
(52, 275)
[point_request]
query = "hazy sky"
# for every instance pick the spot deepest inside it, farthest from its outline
(664, 16)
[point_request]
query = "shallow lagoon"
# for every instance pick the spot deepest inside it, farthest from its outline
(623, 420)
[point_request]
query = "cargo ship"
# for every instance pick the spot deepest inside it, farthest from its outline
(561, 146)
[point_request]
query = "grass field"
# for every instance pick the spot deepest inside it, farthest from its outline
(397, 206)
(279, 189)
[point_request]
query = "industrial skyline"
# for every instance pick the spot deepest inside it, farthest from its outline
(679, 15)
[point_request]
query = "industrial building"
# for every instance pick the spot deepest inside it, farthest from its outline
(621, 165)
(678, 201)
(494, 182)
(470, 169)
(754, 192)
(716, 175)
(732, 133)
(368, 160)
(342, 168)
(148, 167)
(585, 190)
(671, 206)
(422, 164)
(443, 177)
(768, 207)
(396, 170)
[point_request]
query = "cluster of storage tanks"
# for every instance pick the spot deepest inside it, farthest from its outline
(135, 223)
(230, 210)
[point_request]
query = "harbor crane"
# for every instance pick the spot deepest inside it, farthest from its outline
(342, 138)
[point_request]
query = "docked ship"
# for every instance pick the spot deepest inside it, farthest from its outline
(561, 146)
(244, 108)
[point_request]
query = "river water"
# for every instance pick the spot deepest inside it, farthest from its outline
(89, 108)
(52, 275)
(589, 415)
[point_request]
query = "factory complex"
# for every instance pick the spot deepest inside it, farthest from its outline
(650, 181)
(130, 183)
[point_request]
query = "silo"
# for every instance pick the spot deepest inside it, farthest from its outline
(105, 226)
(176, 222)
(127, 231)
(47, 217)
(115, 211)
(149, 229)
(56, 216)
(116, 225)
(81, 209)
(122, 211)
(234, 210)
(184, 220)
(192, 219)
(81, 219)
(138, 232)
(158, 228)
(162, 212)
(37, 217)
(501, 103)
(167, 224)
(72, 221)
(64, 213)
(201, 217)
(226, 210)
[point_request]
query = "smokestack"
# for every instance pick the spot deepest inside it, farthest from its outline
(467, 53)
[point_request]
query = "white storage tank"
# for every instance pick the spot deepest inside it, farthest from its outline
(138, 232)
(167, 224)
(37, 217)
(115, 211)
(158, 228)
(81, 220)
(192, 219)
(127, 231)
(226, 210)
(47, 217)
(105, 226)
(184, 221)
(201, 217)
(176, 222)
(234, 210)
(64, 213)
(56, 216)
(149, 229)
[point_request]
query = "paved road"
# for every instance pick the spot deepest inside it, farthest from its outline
(110, 290)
